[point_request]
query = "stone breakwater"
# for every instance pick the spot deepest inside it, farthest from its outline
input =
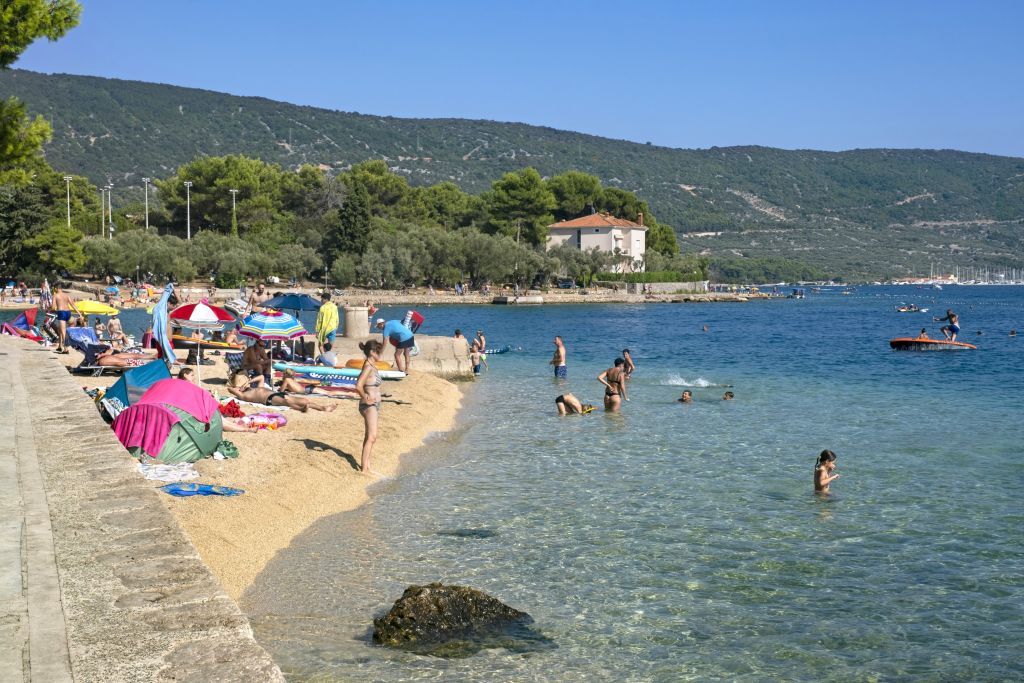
(98, 581)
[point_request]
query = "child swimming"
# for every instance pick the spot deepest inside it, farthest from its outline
(823, 471)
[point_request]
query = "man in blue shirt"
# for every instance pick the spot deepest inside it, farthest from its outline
(403, 339)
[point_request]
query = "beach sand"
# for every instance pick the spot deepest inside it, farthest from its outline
(298, 474)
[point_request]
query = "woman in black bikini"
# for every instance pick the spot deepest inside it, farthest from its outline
(368, 388)
(614, 381)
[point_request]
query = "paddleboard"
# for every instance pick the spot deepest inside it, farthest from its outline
(917, 344)
(358, 364)
(321, 370)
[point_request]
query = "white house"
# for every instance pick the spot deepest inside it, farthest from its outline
(607, 233)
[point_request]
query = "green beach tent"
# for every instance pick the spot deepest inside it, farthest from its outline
(174, 421)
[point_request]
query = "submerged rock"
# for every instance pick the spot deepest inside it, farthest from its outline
(468, 533)
(455, 621)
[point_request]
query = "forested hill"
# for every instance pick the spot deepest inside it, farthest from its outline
(860, 211)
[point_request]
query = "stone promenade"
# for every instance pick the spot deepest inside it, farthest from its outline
(97, 580)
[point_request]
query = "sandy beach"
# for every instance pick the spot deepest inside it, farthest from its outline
(298, 474)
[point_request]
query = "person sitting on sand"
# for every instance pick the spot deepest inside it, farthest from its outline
(687, 397)
(728, 396)
(329, 357)
(255, 361)
(567, 404)
(614, 381)
(823, 471)
(270, 397)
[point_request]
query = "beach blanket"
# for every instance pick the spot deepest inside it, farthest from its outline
(181, 471)
(182, 489)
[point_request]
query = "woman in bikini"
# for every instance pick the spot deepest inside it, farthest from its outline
(614, 381)
(368, 388)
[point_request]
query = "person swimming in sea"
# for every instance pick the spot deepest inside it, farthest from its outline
(567, 404)
(823, 471)
(687, 397)
(728, 396)
(953, 328)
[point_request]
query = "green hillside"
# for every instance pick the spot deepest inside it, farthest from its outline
(860, 213)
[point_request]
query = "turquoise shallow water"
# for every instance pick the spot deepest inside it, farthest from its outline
(678, 542)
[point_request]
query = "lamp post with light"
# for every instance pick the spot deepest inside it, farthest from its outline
(234, 217)
(67, 181)
(110, 210)
(146, 181)
(188, 209)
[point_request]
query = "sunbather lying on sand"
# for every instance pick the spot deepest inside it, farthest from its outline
(291, 385)
(277, 398)
(111, 359)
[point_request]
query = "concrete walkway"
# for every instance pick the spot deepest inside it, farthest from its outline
(97, 580)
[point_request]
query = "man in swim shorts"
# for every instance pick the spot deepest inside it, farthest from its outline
(403, 339)
(63, 304)
(614, 381)
(558, 360)
(953, 328)
(277, 398)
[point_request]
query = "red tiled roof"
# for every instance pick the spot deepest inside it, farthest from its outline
(597, 220)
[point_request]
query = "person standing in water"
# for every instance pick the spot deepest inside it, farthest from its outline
(953, 328)
(558, 360)
(823, 471)
(630, 366)
(614, 381)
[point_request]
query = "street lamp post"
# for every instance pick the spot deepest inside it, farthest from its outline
(146, 183)
(110, 210)
(67, 181)
(188, 209)
(234, 217)
(103, 211)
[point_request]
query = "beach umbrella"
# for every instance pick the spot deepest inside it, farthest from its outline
(161, 323)
(90, 307)
(272, 325)
(201, 316)
(113, 290)
(293, 302)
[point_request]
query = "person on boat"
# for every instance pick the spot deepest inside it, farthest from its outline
(687, 397)
(614, 381)
(329, 357)
(63, 304)
(567, 404)
(403, 339)
(823, 471)
(558, 360)
(270, 397)
(368, 388)
(477, 358)
(924, 334)
(255, 361)
(953, 328)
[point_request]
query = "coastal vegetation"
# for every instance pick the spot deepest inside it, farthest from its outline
(859, 214)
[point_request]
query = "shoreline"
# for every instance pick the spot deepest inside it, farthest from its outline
(299, 474)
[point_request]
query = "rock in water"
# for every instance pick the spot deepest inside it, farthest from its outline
(455, 621)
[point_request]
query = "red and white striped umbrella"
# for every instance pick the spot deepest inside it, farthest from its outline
(201, 316)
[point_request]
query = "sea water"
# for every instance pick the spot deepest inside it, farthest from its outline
(672, 541)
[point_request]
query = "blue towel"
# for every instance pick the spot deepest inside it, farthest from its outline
(190, 489)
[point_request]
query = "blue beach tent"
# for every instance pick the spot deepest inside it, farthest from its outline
(134, 382)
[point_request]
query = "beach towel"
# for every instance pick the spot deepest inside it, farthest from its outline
(181, 471)
(182, 489)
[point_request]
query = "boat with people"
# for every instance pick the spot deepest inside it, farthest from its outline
(910, 308)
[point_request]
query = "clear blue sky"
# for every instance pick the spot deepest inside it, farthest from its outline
(817, 74)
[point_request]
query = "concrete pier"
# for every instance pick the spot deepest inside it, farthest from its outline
(97, 580)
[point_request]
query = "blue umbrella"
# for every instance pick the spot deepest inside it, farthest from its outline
(272, 325)
(112, 289)
(160, 324)
(292, 302)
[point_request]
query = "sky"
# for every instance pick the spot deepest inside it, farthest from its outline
(797, 75)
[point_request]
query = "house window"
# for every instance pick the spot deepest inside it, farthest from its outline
(579, 239)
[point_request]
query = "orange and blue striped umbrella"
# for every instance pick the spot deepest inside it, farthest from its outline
(272, 325)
